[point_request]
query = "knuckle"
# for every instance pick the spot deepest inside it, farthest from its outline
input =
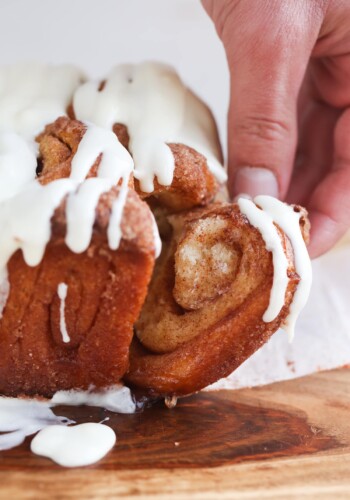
(263, 128)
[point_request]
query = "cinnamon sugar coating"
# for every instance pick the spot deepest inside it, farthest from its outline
(193, 184)
(200, 322)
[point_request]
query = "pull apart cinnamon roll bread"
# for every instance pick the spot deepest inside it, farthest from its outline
(86, 170)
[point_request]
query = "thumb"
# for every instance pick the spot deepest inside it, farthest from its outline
(267, 48)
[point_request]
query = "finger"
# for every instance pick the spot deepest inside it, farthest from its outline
(267, 68)
(329, 205)
(331, 77)
(315, 151)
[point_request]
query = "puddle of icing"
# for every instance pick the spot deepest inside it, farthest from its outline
(20, 418)
(116, 398)
(75, 446)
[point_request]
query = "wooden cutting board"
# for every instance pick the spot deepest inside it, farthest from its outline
(288, 440)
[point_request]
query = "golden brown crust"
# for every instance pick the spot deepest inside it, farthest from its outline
(180, 350)
(215, 354)
(58, 143)
(193, 184)
(106, 290)
(121, 132)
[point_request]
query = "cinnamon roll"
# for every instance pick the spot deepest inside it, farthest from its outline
(80, 305)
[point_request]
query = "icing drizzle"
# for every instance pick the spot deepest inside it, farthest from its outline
(17, 164)
(115, 163)
(288, 220)
(62, 290)
(264, 213)
(35, 203)
(265, 224)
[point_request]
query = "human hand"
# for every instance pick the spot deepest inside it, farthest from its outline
(289, 114)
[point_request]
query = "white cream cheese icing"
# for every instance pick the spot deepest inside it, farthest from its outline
(25, 221)
(263, 214)
(33, 95)
(265, 224)
(156, 236)
(116, 165)
(288, 220)
(114, 231)
(4, 293)
(62, 291)
(17, 164)
(117, 398)
(80, 212)
(157, 108)
(22, 417)
(116, 161)
(75, 446)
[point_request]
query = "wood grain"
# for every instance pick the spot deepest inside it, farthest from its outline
(286, 440)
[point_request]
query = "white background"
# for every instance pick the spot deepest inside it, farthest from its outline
(96, 34)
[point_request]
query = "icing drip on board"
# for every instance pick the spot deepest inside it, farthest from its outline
(269, 212)
(116, 398)
(157, 108)
(76, 446)
(22, 417)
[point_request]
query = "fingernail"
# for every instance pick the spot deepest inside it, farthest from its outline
(254, 181)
